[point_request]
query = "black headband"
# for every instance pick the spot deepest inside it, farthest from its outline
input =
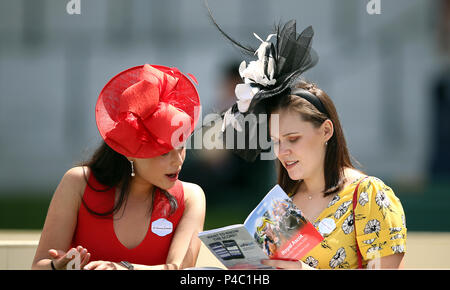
(313, 99)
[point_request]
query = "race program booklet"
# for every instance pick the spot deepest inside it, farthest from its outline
(275, 229)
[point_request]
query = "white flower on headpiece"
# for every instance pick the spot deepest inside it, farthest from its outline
(245, 93)
(259, 72)
(229, 119)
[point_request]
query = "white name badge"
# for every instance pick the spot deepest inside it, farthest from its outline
(326, 226)
(162, 227)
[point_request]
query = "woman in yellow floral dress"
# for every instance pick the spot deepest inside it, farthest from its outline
(360, 218)
(314, 167)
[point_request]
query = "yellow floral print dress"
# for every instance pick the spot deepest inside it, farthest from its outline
(380, 227)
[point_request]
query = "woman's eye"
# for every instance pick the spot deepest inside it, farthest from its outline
(178, 148)
(292, 140)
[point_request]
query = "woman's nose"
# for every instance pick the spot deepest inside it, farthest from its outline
(283, 149)
(178, 156)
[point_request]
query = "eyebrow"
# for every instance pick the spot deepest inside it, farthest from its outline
(290, 133)
(287, 134)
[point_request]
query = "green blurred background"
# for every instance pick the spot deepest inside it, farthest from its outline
(426, 208)
(388, 75)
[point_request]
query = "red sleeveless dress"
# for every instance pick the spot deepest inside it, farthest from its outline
(96, 233)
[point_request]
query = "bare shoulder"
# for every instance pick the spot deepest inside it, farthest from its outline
(76, 177)
(192, 191)
(353, 174)
(73, 183)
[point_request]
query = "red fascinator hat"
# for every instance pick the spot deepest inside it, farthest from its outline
(147, 111)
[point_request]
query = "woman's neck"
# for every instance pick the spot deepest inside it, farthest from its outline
(140, 188)
(313, 185)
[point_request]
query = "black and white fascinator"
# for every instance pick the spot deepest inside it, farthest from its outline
(281, 58)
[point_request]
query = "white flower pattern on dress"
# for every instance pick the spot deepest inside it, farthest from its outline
(310, 261)
(335, 199)
(370, 241)
(395, 230)
(342, 209)
(398, 249)
(378, 215)
(363, 198)
(372, 226)
(348, 225)
(373, 249)
(397, 236)
(338, 258)
(382, 200)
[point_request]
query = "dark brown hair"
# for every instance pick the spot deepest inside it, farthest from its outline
(112, 169)
(337, 157)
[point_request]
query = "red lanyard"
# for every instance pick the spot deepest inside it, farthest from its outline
(355, 200)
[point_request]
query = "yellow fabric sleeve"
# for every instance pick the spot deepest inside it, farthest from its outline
(379, 220)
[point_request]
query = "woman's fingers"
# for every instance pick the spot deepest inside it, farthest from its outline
(61, 260)
(89, 266)
(103, 266)
(71, 256)
(55, 254)
(92, 265)
(100, 265)
(79, 255)
(82, 252)
(57, 257)
(85, 260)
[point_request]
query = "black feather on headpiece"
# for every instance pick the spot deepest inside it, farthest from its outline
(272, 75)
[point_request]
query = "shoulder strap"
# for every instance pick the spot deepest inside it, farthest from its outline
(355, 201)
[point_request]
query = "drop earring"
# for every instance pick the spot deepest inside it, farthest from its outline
(132, 168)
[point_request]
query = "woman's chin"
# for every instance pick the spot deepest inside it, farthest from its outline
(167, 184)
(164, 182)
(295, 175)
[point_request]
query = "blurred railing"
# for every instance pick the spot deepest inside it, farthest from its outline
(425, 250)
(17, 255)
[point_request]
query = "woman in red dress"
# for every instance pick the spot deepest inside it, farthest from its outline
(125, 208)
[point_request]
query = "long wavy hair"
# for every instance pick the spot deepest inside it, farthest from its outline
(337, 156)
(112, 169)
